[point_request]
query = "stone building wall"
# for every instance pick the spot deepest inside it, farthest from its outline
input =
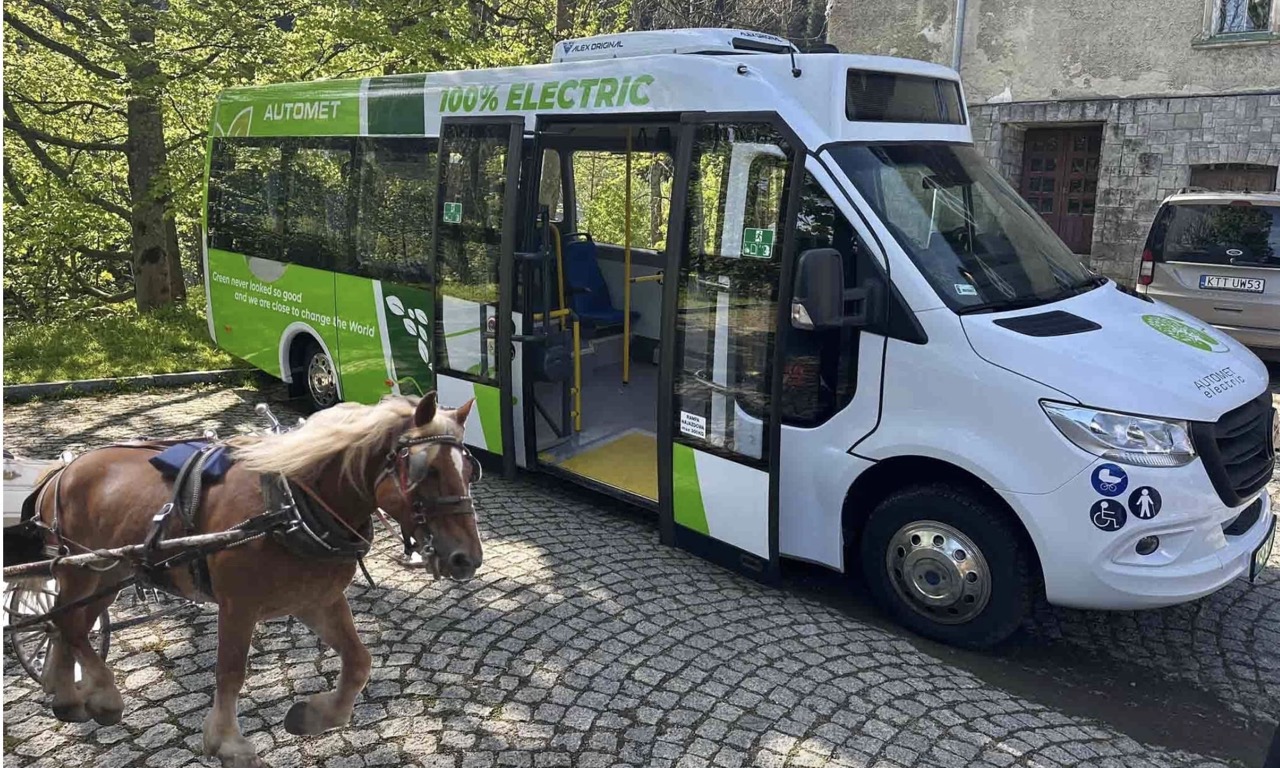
(1032, 50)
(1148, 148)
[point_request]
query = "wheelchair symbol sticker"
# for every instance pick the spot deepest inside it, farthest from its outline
(1108, 515)
(1109, 480)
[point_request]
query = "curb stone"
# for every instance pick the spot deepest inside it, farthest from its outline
(22, 392)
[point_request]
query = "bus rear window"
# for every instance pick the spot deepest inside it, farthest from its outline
(890, 98)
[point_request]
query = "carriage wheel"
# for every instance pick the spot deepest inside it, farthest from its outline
(31, 647)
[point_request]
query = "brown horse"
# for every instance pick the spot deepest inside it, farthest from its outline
(403, 454)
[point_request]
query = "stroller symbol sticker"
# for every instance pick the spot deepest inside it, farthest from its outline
(1109, 480)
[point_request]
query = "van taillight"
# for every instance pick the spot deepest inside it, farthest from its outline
(1147, 270)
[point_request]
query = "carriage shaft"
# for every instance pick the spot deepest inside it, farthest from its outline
(105, 556)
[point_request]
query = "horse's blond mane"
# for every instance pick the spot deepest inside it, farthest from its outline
(349, 429)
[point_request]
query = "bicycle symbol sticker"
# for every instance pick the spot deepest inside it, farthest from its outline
(1108, 515)
(1109, 480)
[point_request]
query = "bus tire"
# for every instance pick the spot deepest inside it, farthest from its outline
(319, 377)
(947, 565)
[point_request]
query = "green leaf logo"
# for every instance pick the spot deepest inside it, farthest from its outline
(240, 124)
(1185, 332)
(410, 338)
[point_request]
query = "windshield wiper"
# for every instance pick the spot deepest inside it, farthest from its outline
(1002, 306)
(1067, 291)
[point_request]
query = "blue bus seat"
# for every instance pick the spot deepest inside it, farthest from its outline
(588, 294)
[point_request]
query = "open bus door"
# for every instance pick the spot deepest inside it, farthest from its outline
(720, 364)
(475, 231)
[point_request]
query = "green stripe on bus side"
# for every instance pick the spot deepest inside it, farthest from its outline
(489, 401)
(395, 105)
(686, 493)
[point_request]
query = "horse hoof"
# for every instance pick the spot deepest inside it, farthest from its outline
(245, 761)
(297, 722)
(71, 713)
(106, 716)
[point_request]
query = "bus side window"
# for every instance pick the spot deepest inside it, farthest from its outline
(820, 372)
(318, 202)
(244, 198)
(397, 192)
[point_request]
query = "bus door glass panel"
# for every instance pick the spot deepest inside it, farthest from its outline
(727, 310)
(473, 177)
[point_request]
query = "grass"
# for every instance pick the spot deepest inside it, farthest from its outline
(119, 343)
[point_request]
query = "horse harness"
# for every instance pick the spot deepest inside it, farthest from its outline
(296, 517)
(410, 468)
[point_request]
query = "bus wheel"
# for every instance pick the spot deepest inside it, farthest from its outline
(947, 565)
(321, 379)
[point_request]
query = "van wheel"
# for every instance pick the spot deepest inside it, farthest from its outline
(320, 378)
(947, 565)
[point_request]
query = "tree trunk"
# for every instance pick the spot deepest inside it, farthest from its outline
(563, 20)
(177, 278)
(154, 251)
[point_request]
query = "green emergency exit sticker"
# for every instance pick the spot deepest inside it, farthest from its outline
(757, 243)
(453, 213)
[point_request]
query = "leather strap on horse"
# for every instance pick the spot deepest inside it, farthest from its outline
(187, 494)
(325, 506)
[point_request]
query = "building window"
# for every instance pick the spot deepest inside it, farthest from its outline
(1228, 22)
(1235, 16)
(1234, 177)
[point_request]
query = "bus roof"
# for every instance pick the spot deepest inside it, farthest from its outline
(811, 97)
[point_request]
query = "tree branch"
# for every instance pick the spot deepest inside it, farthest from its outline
(101, 295)
(98, 254)
(194, 68)
(338, 50)
(11, 114)
(24, 130)
(63, 175)
(61, 48)
(58, 106)
(11, 183)
(62, 14)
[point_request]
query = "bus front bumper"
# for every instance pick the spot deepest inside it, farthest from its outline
(1203, 545)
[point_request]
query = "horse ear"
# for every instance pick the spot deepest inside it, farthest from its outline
(460, 414)
(426, 410)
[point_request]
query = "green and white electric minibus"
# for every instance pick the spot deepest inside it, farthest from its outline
(776, 296)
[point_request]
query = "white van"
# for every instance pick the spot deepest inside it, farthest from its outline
(776, 297)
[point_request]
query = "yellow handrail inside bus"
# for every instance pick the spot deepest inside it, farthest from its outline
(555, 235)
(554, 314)
(626, 277)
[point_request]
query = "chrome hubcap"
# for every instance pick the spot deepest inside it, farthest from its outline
(321, 380)
(938, 571)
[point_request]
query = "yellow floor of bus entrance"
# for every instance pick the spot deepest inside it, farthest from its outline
(628, 462)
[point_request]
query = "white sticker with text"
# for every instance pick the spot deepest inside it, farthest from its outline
(694, 426)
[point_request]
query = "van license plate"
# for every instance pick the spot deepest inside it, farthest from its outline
(1224, 283)
(1263, 553)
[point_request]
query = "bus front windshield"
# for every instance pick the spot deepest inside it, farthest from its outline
(977, 242)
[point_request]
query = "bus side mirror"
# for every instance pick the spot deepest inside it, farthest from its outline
(821, 300)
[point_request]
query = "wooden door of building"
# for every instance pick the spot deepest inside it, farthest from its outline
(1060, 180)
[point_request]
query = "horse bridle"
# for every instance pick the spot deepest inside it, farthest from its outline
(400, 466)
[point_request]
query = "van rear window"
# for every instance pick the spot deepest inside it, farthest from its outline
(890, 98)
(1243, 235)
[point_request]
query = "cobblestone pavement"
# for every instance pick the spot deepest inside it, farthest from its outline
(584, 642)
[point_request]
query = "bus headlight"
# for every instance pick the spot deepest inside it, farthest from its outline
(1138, 440)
